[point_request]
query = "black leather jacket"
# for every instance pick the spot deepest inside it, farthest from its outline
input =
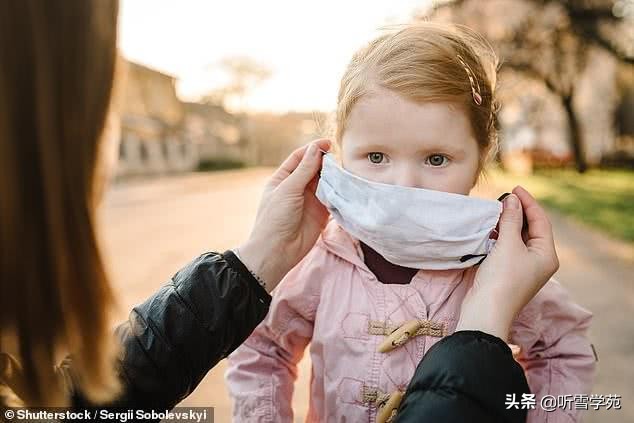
(465, 377)
(175, 337)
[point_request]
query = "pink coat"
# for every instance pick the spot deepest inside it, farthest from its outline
(334, 302)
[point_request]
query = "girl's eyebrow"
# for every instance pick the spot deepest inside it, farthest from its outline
(435, 148)
(374, 146)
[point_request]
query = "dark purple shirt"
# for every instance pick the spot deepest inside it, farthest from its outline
(385, 271)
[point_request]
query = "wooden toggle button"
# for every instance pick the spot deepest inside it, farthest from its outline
(388, 410)
(399, 336)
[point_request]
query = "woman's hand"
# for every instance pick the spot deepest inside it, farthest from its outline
(517, 267)
(289, 218)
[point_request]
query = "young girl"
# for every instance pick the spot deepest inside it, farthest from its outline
(386, 280)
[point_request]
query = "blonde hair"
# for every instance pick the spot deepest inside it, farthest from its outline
(428, 62)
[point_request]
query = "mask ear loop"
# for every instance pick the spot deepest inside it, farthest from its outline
(470, 256)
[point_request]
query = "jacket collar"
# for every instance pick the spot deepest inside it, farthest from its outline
(340, 243)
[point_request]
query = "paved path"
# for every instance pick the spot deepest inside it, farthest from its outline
(152, 228)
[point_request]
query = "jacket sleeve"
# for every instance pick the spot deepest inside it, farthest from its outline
(555, 351)
(448, 383)
(174, 338)
(262, 372)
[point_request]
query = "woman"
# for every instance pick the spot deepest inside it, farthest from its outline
(58, 65)
(56, 80)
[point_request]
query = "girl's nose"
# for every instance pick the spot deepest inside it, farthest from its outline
(407, 177)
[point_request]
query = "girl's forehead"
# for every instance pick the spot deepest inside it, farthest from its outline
(386, 117)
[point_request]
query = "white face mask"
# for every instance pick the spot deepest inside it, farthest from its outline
(411, 227)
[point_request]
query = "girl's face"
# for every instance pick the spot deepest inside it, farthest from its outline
(392, 140)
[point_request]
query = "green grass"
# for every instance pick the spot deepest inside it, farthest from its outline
(601, 198)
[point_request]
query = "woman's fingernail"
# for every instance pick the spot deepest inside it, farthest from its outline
(511, 202)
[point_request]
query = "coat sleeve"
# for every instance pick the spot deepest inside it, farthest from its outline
(262, 372)
(174, 338)
(555, 351)
(448, 383)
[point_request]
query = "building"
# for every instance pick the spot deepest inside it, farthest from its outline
(153, 140)
(216, 133)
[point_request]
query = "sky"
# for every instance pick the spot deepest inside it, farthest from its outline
(306, 44)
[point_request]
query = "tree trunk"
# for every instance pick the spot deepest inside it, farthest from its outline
(576, 141)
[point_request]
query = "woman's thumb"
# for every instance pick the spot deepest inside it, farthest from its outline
(305, 171)
(510, 224)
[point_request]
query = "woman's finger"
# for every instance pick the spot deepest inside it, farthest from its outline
(306, 171)
(288, 166)
(538, 223)
(510, 224)
(291, 163)
(540, 232)
(312, 185)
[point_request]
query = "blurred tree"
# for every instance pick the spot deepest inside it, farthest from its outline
(244, 74)
(548, 40)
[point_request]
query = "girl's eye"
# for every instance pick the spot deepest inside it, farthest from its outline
(437, 160)
(376, 158)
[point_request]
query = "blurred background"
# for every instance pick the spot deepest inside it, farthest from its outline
(212, 95)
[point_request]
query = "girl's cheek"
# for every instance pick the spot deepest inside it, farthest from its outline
(448, 180)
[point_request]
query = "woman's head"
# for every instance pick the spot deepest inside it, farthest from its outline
(58, 62)
(416, 107)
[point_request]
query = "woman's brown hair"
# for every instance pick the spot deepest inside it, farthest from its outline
(57, 62)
